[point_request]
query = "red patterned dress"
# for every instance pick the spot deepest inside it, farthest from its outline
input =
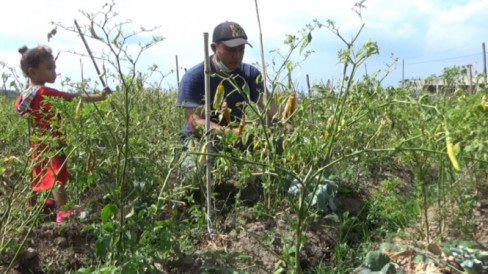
(47, 169)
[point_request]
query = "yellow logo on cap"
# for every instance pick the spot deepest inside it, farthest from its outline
(236, 30)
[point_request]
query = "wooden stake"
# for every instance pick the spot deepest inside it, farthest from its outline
(484, 60)
(309, 93)
(90, 53)
(208, 141)
(177, 73)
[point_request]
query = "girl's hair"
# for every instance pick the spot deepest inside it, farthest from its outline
(31, 58)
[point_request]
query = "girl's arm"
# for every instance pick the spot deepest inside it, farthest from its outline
(90, 97)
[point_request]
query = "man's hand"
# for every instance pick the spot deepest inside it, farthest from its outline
(288, 128)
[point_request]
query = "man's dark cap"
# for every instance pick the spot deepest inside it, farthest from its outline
(231, 34)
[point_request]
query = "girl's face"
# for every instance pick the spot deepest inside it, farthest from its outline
(44, 73)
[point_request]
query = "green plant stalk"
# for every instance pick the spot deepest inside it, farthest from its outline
(122, 178)
(172, 168)
(35, 217)
(6, 221)
(119, 51)
(6, 217)
(263, 121)
(419, 174)
(338, 111)
(123, 182)
(426, 213)
(441, 198)
(302, 216)
(266, 124)
(344, 92)
(250, 104)
(14, 259)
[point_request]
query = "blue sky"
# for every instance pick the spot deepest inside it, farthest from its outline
(425, 35)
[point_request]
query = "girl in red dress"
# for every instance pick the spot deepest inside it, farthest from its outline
(49, 171)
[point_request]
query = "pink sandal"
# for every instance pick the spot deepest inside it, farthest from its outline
(62, 215)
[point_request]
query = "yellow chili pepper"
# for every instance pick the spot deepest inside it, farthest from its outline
(241, 125)
(203, 152)
(289, 107)
(219, 95)
(450, 151)
(93, 33)
(78, 109)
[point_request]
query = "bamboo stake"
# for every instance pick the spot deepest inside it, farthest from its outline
(309, 93)
(90, 53)
(470, 78)
(177, 73)
(208, 160)
(262, 55)
(94, 64)
(265, 92)
(484, 60)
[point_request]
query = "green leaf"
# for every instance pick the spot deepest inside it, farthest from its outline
(108, 211)
(130, 214)
(391, 247)
(279, 271)
(332, 217)
(306, 41)
(376, 260)
(388, 269)
(102, 247)
(245, 88)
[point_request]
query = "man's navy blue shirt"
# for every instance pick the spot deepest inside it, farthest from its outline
(192, 90)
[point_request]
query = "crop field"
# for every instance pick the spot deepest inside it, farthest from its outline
(372, 178)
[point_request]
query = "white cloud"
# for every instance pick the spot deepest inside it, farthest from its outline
(458, 26)
(413, 29)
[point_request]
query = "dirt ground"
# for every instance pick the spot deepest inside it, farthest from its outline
(61, 248)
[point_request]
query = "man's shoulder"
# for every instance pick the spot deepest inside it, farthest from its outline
(195, 70)
(193, 76)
